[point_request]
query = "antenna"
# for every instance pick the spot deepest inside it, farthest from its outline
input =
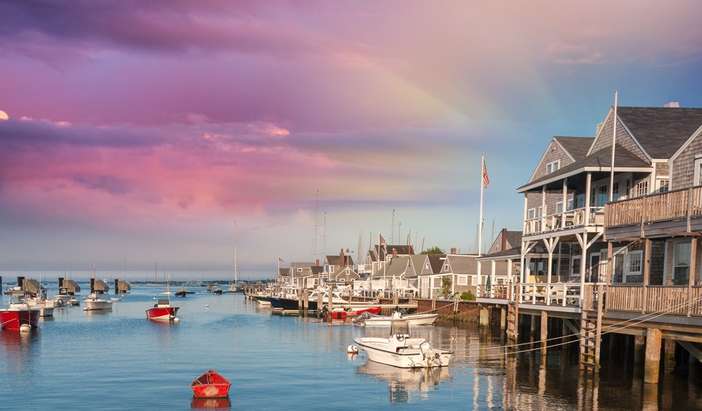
(315, 252)
(392, 228)
(324, 232)
(399, 231)
(360, 247)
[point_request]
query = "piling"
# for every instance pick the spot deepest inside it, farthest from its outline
(638, 348)
(532, 326)
(484, 317)
(669, 355)
(653, 355)
(503, 319)
(544, 331)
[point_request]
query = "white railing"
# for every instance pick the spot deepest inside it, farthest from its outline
(563, 294)
(572, 218)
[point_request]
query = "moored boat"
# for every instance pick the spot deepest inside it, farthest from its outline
(211, 384)
(162, 310)
(97, 301)
(399, 350)
(18, 314)
(413, 320)
(344, 313)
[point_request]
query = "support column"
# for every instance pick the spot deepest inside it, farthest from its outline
(692, 276)
(503, 318)
(565, 202)
(583, 263)
(544, 331)
(509, 272)
(610, 263)
(479, 285)
(669, 355)
(492, 278)
(653, 355)
(484, 317)
(646, 272)
(532, 325)
(588, 187)
(638, 348)
(543, 208)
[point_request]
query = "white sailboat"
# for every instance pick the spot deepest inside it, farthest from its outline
(233, 286)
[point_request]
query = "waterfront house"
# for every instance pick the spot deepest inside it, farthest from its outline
(502, 260)
(304, 275)
(450, 274)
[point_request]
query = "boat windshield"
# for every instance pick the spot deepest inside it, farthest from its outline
(399, 327)
(163, 301)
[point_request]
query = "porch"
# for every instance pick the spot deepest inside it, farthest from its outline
(656, 215)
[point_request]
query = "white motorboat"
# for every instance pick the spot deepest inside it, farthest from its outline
(402, 351)
(45, 306)
(96, 302)
(413, 320)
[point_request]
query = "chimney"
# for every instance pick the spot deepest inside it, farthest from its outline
(672, 104)
(316, 262)
(503, 246)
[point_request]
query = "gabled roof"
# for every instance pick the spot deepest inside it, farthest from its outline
(400, 249)
(661, 130)
(396, 267)
(419, 261)
(577, 147)
(339, 260)
(463, 263)
(436, 261)
(345, 273)
(598, 160)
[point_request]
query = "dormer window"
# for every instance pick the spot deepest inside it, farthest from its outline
(553, 166)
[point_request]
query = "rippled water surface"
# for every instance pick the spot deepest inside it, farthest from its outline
(119, 360)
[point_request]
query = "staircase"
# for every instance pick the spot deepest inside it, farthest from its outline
(591, 330)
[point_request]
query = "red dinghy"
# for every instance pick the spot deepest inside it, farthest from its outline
(18, 314)
(342, 314)
(211, 385)
(162, 311)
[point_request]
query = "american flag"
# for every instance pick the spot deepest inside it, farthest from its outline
(486, 177)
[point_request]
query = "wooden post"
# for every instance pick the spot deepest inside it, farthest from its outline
(653, 355)
(543, 208)
(669, 355)
(610, 262)
(646, 273)
(532, 325)
(544, 331)
(638, 348)
(492, 279)
(330, 304)
(588, 184)
(692, 275)
(565, 202)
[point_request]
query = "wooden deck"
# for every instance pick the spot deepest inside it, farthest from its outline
(680, 205)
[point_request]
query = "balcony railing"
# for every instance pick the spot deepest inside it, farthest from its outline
(672, 300)
(673, 205)
(561, 221)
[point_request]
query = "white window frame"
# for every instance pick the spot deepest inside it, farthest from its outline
(660, 182)
(627, 264)
(641, 188)
(696, 170)
(676, 263)
(553, 166)
(472, 280)
(531, 213)
(559, 207)
(462, 280)
(573, 264)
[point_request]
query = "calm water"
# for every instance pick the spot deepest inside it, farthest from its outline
(121, 361)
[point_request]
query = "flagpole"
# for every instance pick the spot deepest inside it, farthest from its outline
(614, 142)
(480, 223)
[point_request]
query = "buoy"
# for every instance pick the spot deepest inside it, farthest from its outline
(352, 349)
(25, 328)
(176, 319)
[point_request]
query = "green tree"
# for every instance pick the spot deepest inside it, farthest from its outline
(433, 250)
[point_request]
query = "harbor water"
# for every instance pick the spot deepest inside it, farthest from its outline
(118, 360)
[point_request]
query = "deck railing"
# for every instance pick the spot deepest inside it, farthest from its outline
(563, 294)
(569, 219)
(669, 300)
(673, 205)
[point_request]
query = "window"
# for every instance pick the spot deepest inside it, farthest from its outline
(472, 280)
(602, 196)
(615, 191)
(571, 202)
(531, 213)
(681, 263)
(559, 207)
(553, 166)
(539, 212)
(299, 270)
(575, 266)
(641, 188)
(663, 185)
(462, 280)
(697, 176)
(633, 264)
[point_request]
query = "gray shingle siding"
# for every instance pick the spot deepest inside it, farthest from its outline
(623, 138)
(553, 152)
(683, 165)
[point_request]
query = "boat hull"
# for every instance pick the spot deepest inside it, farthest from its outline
(12, 320)
(162, 313)
(413, 320)
(211, 385)
(284, 303)
(414, 359)
(97, 305)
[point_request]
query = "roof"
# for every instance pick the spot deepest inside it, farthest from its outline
(418, 263)
(661, 130)
(513, 236)
(538, 248)
(400, 249)
(436, 261)
(463, 263)
(575, 146)
(338, 260)
(600, 158)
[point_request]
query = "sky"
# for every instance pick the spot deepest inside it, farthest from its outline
(175, 131)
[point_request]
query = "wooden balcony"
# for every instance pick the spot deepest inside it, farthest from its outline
(579, 217)
(679, 205)
(670, 300)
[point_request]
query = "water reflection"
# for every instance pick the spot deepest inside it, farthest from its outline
(18, 348)
(403, 383)
(211, 403)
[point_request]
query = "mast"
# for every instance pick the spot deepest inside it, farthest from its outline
(614, 142)
(236, 267)
(480, 221)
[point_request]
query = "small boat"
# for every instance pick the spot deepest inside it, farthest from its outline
(19, 315)
(45, 306)
(211, 385)
(162, 310)
(96, 302)
(213, 289)
(342, 313)
(413, 320)
(399, 350)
